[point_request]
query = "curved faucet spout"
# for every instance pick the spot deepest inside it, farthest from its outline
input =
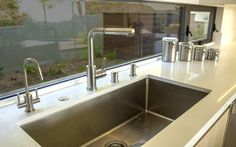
(91, 68)
(36, 63)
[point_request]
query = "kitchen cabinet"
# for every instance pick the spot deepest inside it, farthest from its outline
(215, 136)
(231, 128)
(179, 1)
(217, 2)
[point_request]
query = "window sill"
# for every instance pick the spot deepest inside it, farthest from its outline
(61, 83)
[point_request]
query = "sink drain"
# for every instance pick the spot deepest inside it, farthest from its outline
(116, 143)
(63, 98)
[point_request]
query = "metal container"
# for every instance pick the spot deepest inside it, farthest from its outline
(199, 53)
(213, 54)
(186, 51)
(169, 45)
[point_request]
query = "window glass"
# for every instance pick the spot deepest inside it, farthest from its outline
(199, 25)
(54, 32)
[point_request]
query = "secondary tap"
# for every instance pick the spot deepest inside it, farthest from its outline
(28, 98)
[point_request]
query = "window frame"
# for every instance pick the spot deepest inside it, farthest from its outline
(185, 19)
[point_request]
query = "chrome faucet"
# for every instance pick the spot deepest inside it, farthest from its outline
(91, 68)
(28, 98)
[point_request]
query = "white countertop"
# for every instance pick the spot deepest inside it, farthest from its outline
(218, 76)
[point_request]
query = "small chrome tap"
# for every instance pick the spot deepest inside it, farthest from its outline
(29, 101)
(114, 77)
(133, 70)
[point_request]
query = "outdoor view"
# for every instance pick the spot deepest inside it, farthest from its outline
(54, 32)
(199, 23)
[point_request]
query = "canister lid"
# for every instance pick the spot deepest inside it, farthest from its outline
(200, 47)
(186, 44)
(214, 50)
(170, 39)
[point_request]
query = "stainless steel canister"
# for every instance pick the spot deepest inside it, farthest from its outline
(213, 54)
(186, 51)
(169, 45)
(199, 52)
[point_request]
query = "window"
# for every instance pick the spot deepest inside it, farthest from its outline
(54, 32)
(199, 23)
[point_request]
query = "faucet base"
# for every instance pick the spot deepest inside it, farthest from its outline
(29, 103)
(91, 78)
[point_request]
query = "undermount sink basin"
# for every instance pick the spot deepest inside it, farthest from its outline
(128, 116)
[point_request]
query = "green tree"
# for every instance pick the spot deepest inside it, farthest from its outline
(48, 4)
(9, 13)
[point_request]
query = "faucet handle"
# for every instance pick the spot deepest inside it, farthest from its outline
(101, 72)
(37, 99)
(20, 104)
(104, 61)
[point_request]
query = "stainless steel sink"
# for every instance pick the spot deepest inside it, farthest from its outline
(127, 116)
